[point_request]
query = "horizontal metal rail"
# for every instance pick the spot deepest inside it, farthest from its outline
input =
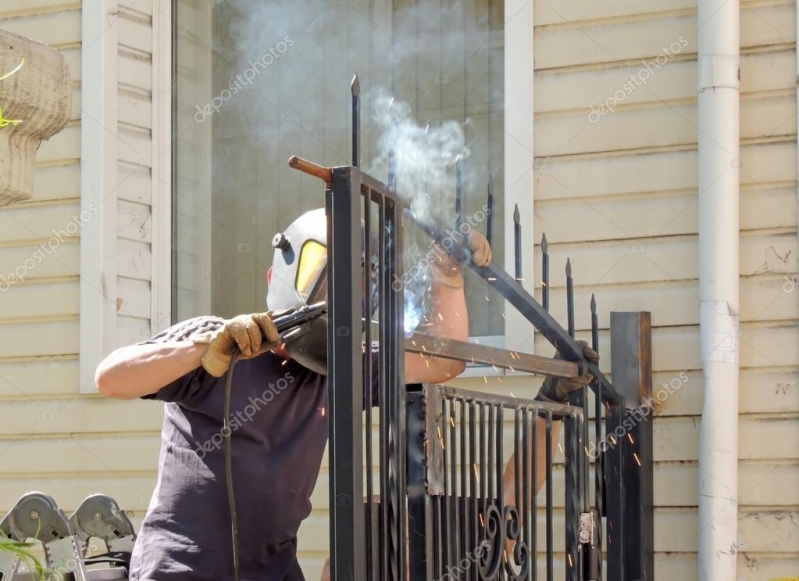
(483, 354)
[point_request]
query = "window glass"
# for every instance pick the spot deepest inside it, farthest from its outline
(258, 82)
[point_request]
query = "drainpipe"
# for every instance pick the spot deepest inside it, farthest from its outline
(718, 91)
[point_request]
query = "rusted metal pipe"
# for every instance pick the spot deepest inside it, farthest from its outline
(309, 167)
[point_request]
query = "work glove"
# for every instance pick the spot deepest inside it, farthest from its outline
(557, 390)
(250, 334)
(448, 270)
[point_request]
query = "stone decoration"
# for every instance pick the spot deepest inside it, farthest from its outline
(35, 104)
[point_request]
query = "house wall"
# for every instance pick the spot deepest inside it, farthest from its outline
(54, 438)
(616, 196)
(616, 193)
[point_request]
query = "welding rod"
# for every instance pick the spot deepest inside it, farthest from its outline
(318, 171)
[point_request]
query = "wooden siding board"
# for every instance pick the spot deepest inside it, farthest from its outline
(83, 454)
(62, 146)
(38, 377)
(57, 182)
(134, 259)
(558, 91)
(652, 215)
(53, 224)
(134, 221)
(64, 262)
(134, 298)
(661, 125)
(647, 39)
(556, 178)
(51, 28)
(103, 416)
(49, 299)
(135, 72)
(59, 337)
(132, 492)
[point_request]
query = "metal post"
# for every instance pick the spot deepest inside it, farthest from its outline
(629, 465)
(345, 295)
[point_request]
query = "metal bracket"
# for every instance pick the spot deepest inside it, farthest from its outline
(100, 516)
(37, 516)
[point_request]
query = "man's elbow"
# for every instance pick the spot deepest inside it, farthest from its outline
(449, 369)
(107, 382)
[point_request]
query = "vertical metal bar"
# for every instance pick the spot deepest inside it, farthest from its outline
(458, 190)
(614, 483)
(599, 481)
(395, 462)
(448, 525)
(574, 457)
(519, 472)
(419, 502)
(544, 272)
(464, 483)
(550, 533)
(355, 89)
(517, 242)
(500, 466)
(631, 364)
(484, 499)
(570, 296)
(367, 374)
(533, 496)
(345, 377)
(392, 153)
(490, 210)
(455, 530)
(473, 491)
(384, 410)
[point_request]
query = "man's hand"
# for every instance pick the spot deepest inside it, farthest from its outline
(557, 390)
(250, 334)
(448, 271)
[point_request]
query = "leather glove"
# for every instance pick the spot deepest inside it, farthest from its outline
(250, 334)
(448, 270)
(557, 390)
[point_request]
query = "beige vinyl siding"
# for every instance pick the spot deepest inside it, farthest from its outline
(52, 438)
(618, 197)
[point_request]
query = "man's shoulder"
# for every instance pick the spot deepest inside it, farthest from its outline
(185, 329)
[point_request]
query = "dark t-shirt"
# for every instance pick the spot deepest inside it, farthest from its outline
(279, 430)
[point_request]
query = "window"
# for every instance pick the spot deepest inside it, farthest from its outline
(259, 82)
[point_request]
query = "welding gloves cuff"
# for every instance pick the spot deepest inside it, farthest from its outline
(448, 270)
(557, 390)
(250, 334)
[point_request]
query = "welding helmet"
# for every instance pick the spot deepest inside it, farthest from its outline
(298, 277)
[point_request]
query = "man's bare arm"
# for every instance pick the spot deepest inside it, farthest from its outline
(449, 319)
(140, 370)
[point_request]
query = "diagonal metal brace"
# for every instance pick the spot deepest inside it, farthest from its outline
(455, 243)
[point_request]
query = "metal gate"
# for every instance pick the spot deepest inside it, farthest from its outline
(456, 500)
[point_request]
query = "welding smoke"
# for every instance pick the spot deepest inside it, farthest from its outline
(423, 158)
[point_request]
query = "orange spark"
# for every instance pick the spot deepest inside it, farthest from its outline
(636, 458)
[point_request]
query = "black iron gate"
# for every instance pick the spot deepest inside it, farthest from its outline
(456, 501)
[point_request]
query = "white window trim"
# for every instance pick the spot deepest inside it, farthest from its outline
(98, 239)
(161, 283)
(519, 158)
(99, 181)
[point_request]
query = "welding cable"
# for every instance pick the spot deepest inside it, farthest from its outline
(227, 433)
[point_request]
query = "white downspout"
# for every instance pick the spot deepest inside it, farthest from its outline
(718, 75)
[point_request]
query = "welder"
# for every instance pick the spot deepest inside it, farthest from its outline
(278, 399)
